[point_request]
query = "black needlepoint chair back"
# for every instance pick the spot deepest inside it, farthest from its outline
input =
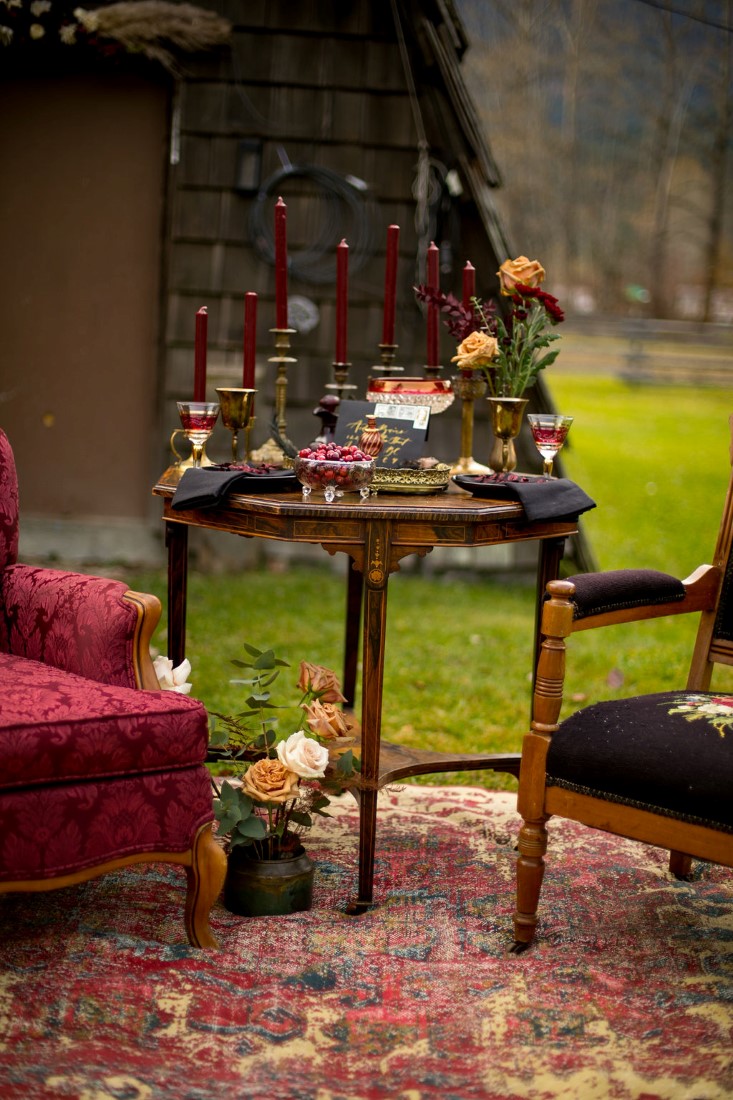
(656, 768)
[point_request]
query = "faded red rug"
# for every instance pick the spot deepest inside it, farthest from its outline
(628, 991)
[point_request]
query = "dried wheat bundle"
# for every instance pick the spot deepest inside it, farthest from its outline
(152, 27)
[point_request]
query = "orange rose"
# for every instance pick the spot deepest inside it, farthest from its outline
(524, 271)
(321, 682)
(326, 720)
(477, 350)
(270, 781)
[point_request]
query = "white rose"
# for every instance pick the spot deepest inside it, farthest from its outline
(170, 678)
(302, 755)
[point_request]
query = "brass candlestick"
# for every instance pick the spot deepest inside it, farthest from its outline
(236, 414)
(468, 386)
(388, 366)
(341, 384)
(272, 452)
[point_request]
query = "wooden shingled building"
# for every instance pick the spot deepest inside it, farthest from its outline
(142, 192)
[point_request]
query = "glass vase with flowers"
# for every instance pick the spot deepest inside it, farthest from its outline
(507, 346)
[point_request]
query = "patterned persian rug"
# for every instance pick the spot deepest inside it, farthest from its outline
(628, 991)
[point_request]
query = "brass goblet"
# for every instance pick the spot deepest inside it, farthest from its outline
(236, 414)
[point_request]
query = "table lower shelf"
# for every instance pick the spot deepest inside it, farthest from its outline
(400, 762)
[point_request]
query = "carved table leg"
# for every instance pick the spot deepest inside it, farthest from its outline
(376, 573)
(354, 594)
(176, 539)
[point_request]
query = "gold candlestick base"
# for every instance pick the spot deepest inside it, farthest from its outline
(468, 387)
(272, 452)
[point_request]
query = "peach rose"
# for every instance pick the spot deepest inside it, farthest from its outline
(477, 350)
(270, 781)
(521, 270)
(326, 720)
(321, 682)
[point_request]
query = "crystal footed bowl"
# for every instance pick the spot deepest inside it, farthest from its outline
(333, 478)
(435, 392)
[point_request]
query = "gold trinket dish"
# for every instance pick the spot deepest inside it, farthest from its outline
(403, 479)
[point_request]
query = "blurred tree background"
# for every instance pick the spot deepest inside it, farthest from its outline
(612, 122)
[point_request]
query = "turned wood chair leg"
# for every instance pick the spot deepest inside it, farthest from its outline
(205, 880)
(530, 872)
(680, 864)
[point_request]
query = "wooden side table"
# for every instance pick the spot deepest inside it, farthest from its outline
(375, 534)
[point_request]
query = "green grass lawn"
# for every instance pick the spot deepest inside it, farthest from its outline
(459, 650)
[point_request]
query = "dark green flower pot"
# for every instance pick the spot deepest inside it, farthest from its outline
(268, 887)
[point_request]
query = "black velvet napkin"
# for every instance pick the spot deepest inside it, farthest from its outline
(205, 488)
(541, 497)
(556, 498)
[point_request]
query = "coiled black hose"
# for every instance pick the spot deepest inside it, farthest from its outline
(348, 215)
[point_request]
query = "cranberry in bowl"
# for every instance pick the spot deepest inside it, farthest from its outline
(334, 470)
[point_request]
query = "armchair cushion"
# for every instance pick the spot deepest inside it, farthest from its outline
(74, 622)
(670, 753)
(59, 727)
(59, 830)
(596, 593)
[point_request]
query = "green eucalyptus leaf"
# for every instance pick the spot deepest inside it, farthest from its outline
(265, 660)
(228, 821)
(253, 827)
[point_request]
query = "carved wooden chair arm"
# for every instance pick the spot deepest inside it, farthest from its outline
(632, 595)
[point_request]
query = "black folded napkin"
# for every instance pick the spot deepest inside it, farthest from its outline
(205, 488)
(556, 498)
(541, 497)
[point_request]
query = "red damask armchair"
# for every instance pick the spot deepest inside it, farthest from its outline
(98, 767)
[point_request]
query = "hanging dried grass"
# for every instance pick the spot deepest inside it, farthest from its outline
(156, 29)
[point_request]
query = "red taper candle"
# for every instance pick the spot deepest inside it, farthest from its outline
(199, 370)
(469, 284)
(390, 283)
(342, 300)
(281, 265)
(433, 272)
(250, 340)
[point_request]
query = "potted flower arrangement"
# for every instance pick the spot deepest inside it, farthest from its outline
(282, 781)
(508, 348)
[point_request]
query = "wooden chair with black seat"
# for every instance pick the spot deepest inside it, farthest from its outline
(655, 768)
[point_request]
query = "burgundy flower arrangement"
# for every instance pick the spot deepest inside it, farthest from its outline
(506, 348)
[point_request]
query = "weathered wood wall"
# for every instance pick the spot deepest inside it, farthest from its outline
(322, 86)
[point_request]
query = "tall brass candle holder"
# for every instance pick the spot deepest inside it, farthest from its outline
(236, 414)
(341, 384)
(388, 366)
(272, 451)
(468, 387)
